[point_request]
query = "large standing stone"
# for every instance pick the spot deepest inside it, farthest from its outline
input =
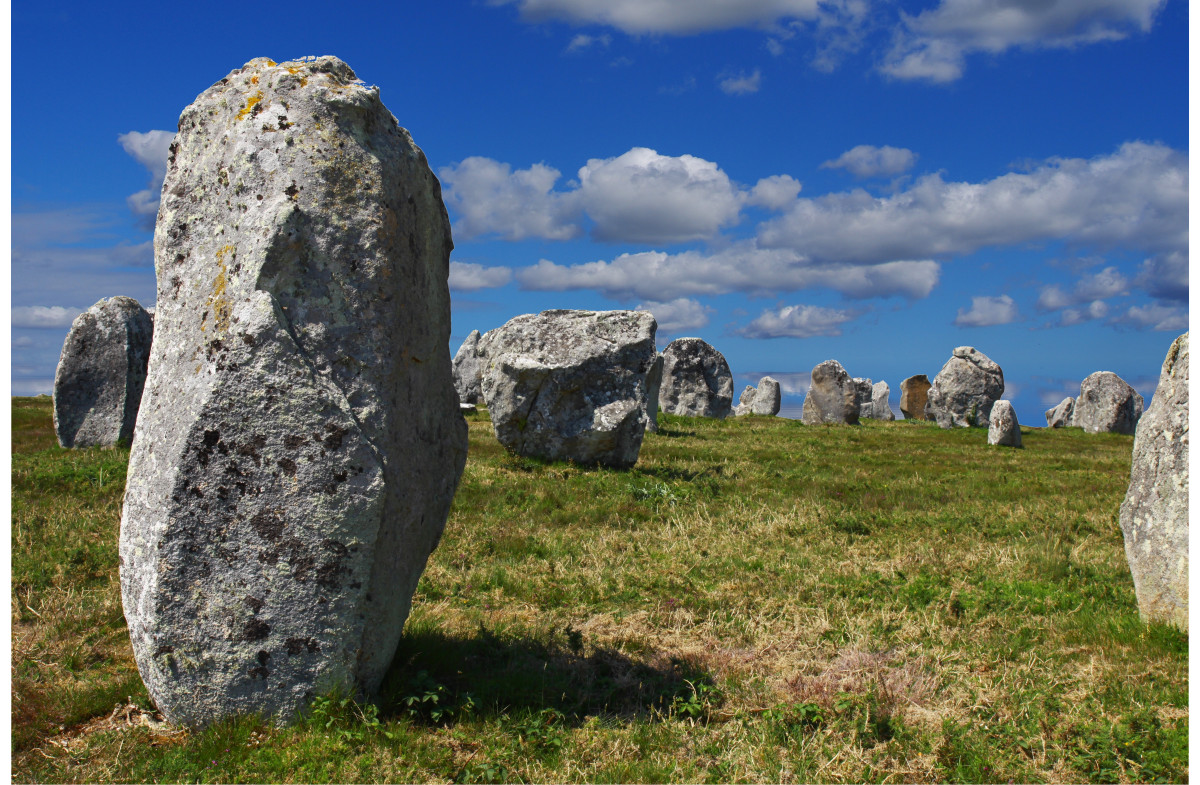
(571, 385)
(863, 392)
(880, 408)
(1003, 428)
(100, 374)
(1154, 515)
(964, 390)
(914, 393)
(299, 441)
(653, 383)
(696, 381)
(468, 369)
(1106, 404)
(764, 399)
(1060, 416)
(832, 397)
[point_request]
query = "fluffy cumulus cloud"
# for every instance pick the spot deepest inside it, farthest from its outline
(798, 321)
(933, 45)
(1097, 309)
(741, 84)
(867, 161)
(490, 198)
(1165, 276)
(150, 149)
(1089, 288)
(774, 193)
(1136, 199)
(669, 17)
(43, 316)
(1155, 316)
(467, 277)
(677, 315)
(987, 312)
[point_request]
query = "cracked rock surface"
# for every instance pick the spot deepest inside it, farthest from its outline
(299, 441)
(832, 396)
(964, 390)
(1107, 404)
(764, 399)
(696, 381)
(101, 372)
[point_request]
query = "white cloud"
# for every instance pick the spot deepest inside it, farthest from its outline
(1107, 283)
(739, 267)
(1136, 198)
(774, 193)
(151, 150)
(668, 16)
(43, 316)
(933, 45)
(868, 161)
(742, 84)
(797, 321)
(467, 277)
(677, 315)
(491, 198)
(1097, 309)
(1165, 276)
(1164, 318)
(988, 312)
(584, 41)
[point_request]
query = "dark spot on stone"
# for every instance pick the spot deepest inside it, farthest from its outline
(333, 438)
(259, 672)
(298, 645)
(268, 557)
(256, 630)
(333, 546)
(339, 476)
(288, 465)
(164, 649)
(255, 604)
(268, 524)
(292, 441)
(329, 573)
(292, 192)
(263, 656)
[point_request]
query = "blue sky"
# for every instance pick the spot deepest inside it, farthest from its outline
(791, 180)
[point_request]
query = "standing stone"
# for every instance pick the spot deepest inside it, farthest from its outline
(1154, 515)
(964, 390)
(653, 383)
(862, 392)
(468, 369)
(1060, 416)
(764, 399)
(696, 381)
(299, 441)
(1106, 404)
(571, 385)
(832, 397)
(880, 408)
(914, 393)
(1003, 428)
(101, 372)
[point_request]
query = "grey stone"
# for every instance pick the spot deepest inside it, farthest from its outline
(1003, 428)
(1154, 514)
(571, 385)
(1106, 404)
(299, 441)
(696, 381)
(653, 383)
(764, 399)
(862, 392)
(468, 369)
(1060, 416)
(880, 408)
(964, 390)
(101, 372)
(832, 397)
(914, 394)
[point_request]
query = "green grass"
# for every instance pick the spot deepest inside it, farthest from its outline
(756, 600)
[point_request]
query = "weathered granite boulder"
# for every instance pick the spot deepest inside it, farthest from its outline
(696, 381)
(914, 394)
(468, 369)
(880, 408)
(299, 441)
(1106, 404)
(100, 374)
(964, 390)
(1154, 515)
(832, 396)
(571, 385)
(1003, 428)
(1060, 416)
(862, 392)
(763, 399)
(653, 383)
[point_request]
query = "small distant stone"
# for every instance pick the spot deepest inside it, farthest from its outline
(914, 393)
(863, 392)
(1003, 428)
(1107, 404)
(832, 396)
(101, 372)
(1060, 416)
(764, 399)
(653, 384)
(468, 369)
(965, 389)
(696, 380)
(880, 408)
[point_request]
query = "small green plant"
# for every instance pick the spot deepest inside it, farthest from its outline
(658, 492)
(543, 730)
(345, 718)
(483, 772)
(703, 698)
(428, 700)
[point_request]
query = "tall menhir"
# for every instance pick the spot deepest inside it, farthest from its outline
(299, 440)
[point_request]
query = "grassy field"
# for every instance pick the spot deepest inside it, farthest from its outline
(757, 600)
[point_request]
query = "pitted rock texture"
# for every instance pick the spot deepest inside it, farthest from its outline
(832, 396)
(1107, 404)
(964, 390)
(762, 400)
(653, 384)
(914, 394)
(1060, 416)
(571, 385)
(299, 441)
(1154, 515)
(880, 408)
(101, 372)
(1003, 428)
(862, 391)
(468, 369)
(696, 380)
